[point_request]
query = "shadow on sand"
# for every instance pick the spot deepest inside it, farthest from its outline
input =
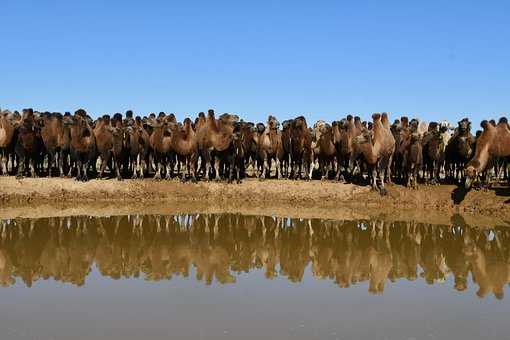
(458, 194)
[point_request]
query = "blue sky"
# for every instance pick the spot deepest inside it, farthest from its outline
(323, 59)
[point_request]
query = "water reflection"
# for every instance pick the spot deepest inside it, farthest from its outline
(219, 247)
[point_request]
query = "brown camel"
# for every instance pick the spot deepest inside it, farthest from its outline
(161, 144)
(301, 148)
(269, 147)
(493, 142)
(83, 143)
(7, 128)
(325, 148)
(138, 145)
(377, 150)
(214, 135)
(184, 144)
(52, 133)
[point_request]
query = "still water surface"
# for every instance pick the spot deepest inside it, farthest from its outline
(251, 277)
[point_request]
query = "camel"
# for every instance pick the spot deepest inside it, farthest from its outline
(7, 128)
(412, 160)
(433, 152)
(138, 144)
(246, 137)
(287, 146)
(82, 143)
(493, 142)
(459, 149)
(52, 133)
(326, 149)
(184, 144)
(161, 143)
(377, 150)
(214, 135)
(349, 128)
(301, 146)
(28, 145)
(269, 147)
(103, 134)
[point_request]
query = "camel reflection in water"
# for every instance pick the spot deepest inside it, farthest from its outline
(220, 246)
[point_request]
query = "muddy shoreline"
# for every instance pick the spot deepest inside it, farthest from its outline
(43, 197)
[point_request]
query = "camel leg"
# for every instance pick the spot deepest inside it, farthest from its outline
(78, 170)
(159, 166)
(117, 170)
(374, 177)
(266, 168)
(102, 167)
(257, 175)
(85, 176)
(324, 170)
(388, 170)
(169, 170)
(253, 167)
(32, 168)
(143, 167)
(134, 163)
(61, 163)
(217, 170)
(278, 169)
(4, 164)
(21, 168)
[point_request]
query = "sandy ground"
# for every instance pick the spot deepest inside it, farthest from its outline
(45, 197)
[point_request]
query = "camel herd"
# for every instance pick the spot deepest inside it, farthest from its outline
(219, 247)
(407, 151)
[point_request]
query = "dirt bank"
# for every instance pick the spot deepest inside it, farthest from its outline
(55, 196)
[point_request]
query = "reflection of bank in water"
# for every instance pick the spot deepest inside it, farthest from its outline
(221, 246)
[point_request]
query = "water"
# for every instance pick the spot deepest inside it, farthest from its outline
(251, 277)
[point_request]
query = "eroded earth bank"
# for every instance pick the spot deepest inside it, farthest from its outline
(432, 204)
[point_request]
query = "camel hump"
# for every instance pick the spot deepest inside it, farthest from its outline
(349, 118)
(376, 116)
(503, 120)
(210, 113)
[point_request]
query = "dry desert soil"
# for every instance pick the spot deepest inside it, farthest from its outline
(47, 197)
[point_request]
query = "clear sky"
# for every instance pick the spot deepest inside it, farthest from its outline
(323, 59)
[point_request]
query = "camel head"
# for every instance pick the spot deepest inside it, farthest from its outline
(503, 121)
(470, 172)
(299, 122)
(229, 119)
(286, 124)
(464, 125)
(170, 118)
(273, 123)
(364, 138)
(187, 124)
(404, 121)
(260, 128)
(342, 124)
